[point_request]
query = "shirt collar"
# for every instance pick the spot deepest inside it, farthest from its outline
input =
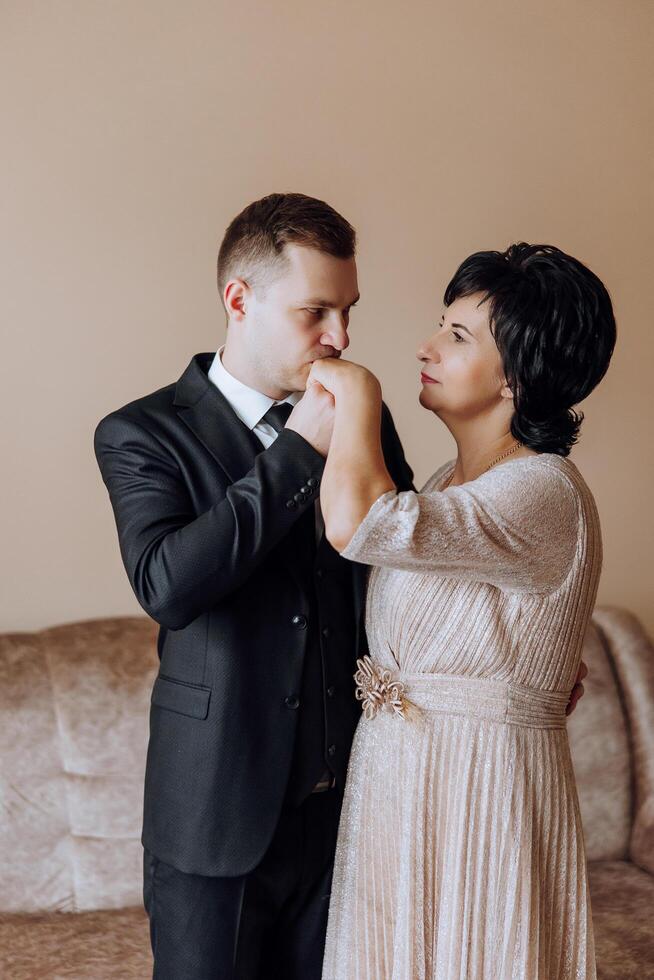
(249, 404)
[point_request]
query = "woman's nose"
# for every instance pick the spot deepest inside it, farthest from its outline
(428, 352)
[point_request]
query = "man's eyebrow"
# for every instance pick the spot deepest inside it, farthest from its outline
(326, 304)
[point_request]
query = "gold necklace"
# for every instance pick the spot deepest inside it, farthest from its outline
(508, 452)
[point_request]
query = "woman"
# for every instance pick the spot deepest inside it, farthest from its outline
(461, 852)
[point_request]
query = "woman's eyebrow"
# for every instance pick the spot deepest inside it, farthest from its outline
(461, 326)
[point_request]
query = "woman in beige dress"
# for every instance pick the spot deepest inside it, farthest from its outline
(460, 850)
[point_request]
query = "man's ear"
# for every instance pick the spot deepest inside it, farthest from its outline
(235, 298)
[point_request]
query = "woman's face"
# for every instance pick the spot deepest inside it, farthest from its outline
(462, 375)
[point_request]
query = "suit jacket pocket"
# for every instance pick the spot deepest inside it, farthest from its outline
(185, 699)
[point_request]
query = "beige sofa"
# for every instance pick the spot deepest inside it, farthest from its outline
(73, 733)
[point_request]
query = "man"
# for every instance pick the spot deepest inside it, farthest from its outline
(214, 482)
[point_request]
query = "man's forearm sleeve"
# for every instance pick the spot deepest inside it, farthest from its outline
(180, 564)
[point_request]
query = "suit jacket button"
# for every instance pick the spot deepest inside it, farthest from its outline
(291, 504)
(299, 621)
(326, 631)
(292, 701)
(331, 750)
(331, 691)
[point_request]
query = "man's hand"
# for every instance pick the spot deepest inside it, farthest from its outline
(313, 417)
(578, 689)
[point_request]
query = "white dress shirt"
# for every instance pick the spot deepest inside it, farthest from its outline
(251, 405)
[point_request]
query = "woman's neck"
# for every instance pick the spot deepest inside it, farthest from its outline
(476, 453)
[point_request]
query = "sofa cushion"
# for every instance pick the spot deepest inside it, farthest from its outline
(35, 856)
(622, 900)
(633, 655)
(600, 748)
(74, 702)
(83, 946)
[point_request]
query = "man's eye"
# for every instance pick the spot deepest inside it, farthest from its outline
(313, 312)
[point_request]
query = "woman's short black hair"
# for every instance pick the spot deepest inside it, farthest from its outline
(553, 324)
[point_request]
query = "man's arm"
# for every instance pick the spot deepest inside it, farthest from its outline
(180, 564)
(396, 463)
(577, 691)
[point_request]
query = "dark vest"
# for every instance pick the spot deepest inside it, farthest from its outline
(327, 710)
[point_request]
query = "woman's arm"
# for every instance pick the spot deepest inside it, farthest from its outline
(355, 473)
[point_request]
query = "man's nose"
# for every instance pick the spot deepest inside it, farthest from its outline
(337, 331)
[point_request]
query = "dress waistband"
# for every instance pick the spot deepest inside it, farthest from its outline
(503, 701)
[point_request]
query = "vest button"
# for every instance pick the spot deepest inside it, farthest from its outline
(331, 750)
(331, 691)
(300, 622)
(292, 701)
(319, 573)
(326, 631)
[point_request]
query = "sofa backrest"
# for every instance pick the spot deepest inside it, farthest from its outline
(598, 731)
(74, 705)
(632, 655)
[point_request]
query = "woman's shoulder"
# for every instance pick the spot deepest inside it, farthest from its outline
(536, 468)
(523, 479)
(433, 482)
(540, 470)
(544, 488)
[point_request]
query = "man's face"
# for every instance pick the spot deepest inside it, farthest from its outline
(301, 316)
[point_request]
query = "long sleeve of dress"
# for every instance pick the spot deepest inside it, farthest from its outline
(514, 527)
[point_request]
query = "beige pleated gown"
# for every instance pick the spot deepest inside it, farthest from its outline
(460, 850)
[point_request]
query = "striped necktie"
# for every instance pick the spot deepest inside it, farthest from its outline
(277, 415)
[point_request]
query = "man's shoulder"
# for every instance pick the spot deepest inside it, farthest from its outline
(387, 424)
(147, 412)
(386, 413)
(393, 451)
(147, 406)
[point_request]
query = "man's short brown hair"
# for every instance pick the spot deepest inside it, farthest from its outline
(253, 246)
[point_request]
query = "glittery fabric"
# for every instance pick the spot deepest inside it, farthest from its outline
(461, 850)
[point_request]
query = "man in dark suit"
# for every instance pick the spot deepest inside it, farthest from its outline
(214, 482)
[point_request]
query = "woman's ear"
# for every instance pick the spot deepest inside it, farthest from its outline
(505, 391)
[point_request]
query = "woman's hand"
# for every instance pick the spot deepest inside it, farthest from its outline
(336, 374)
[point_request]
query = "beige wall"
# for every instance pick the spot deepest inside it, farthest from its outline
(133, 132)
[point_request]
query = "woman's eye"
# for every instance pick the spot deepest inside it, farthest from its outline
(459, 338)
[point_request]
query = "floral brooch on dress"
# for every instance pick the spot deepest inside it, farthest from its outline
(377, 689)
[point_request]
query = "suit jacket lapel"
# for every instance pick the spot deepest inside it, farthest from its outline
(206, 411)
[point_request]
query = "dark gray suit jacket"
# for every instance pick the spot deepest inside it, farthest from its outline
(203, 522)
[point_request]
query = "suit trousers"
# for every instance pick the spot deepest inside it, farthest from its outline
(266, 925)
